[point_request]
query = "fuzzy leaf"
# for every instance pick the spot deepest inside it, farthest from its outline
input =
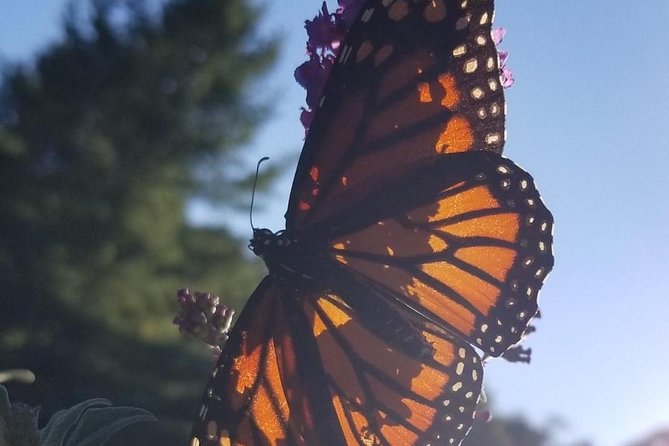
(4, 402)
(90, 423)
(98, 425)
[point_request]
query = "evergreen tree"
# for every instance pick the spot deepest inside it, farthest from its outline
(102, 142)
(515, 430)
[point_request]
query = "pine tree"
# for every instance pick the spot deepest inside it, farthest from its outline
(102, 143)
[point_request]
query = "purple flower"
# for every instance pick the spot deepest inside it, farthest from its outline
(312, 76)
(325, 34)
(348, 10)
(505, 74)
(518, 354)
(503, 56)
(306, 117)
(497, 35)
(483, 416)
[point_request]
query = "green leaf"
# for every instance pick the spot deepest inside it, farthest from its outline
(63, 422)
(4, 403)
(106, 136)
(98, 425)
(3, 433)
(90, 423)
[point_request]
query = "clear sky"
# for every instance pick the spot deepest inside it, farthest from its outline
(589, 118)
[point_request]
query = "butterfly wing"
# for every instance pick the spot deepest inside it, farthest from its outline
(414, 81)
(300, 369)
(267, 387)
(465, 241)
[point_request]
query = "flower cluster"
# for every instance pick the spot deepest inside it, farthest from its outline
(518, 354)
(204, 316)
(483, 416)
(325, 34)
(506, 75)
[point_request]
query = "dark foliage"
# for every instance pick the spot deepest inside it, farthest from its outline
(102, 142)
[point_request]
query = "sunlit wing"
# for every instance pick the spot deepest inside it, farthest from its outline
(386, 393)
(415, 80)
(302, 369)
(268, 387)
(465, 242)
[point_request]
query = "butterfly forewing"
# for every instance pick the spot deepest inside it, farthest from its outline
(414, 81)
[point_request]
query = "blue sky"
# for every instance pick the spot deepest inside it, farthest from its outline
(588, 117)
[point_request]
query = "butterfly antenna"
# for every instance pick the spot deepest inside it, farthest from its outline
(253, 194)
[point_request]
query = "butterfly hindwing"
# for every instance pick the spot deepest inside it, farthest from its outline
(302, 369)
(465, 241)
(385, 392)
(415, 80)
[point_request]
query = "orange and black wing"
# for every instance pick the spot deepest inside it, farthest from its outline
(465, 242)
(268, 385)
(301, 369)
(414, 81)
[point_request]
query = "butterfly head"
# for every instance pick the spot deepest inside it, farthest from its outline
(266, 242)
(261, 241)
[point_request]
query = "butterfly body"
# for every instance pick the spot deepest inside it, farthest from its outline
(410, 246)
(280, 253)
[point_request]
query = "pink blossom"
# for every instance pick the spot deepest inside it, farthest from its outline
(312, 76)
(348, 10)
(306, 117)
(497, 35)
(518, 354)
(483, 416)
(506, 75)
(324, 33)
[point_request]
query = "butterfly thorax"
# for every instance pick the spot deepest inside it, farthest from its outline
(265, 242)
(279, 251)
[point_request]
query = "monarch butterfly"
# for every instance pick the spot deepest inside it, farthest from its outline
(410, 244)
